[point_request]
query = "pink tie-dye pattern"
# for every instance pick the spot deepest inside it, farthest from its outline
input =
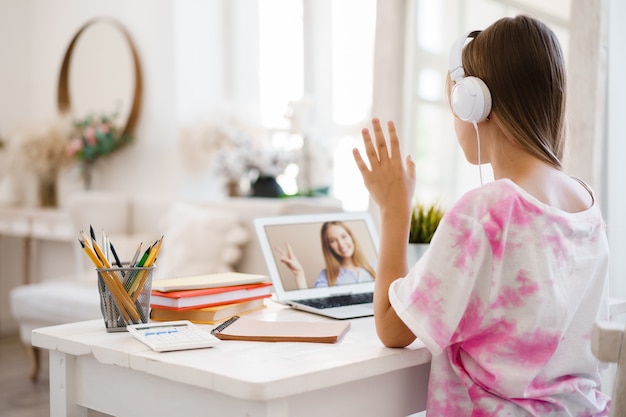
(425, 301)
(512, 210)
(467, 248)
(423, 297)
(516, 296)
(471, 320)
(533, 348)
(559, 250)
(512, 343)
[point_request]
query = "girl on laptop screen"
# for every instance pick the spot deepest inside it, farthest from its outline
(345, 261)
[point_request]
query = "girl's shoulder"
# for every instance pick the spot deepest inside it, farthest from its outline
(502, 201)
(500, 193)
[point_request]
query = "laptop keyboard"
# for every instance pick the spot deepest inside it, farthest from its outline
(339, 300)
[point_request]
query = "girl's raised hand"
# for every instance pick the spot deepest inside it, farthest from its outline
(390, 184)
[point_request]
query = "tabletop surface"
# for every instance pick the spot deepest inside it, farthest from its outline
(244, 369)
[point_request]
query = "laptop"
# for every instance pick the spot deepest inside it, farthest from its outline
(319, 284)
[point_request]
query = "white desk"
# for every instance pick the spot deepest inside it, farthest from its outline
(115, 374)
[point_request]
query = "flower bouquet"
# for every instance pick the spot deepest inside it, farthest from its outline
(94, 137)
(246, 160)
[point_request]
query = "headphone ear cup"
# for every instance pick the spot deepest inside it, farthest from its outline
(471, 100)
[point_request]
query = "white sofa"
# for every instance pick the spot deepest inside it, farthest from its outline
(199, 237)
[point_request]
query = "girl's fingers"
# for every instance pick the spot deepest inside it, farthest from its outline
(381, 143)
(370, 149)
(376, 149)
(360, 163)
(393, 138)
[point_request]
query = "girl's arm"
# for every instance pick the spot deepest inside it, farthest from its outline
(391, 185)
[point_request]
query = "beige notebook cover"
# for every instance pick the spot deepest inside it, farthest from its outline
(215, 280)
(244, 328)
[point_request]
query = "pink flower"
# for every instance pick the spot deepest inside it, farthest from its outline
(74, 146)
(90, 135)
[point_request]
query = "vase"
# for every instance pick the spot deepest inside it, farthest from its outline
(86, 171)
(266, 187)
(47, 190)
(415, 251)
(233, 189)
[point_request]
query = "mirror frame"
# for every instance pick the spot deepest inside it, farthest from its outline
(63, 91)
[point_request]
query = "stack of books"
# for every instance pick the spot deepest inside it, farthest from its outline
(210, 298)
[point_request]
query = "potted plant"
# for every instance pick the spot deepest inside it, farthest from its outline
(424, 223)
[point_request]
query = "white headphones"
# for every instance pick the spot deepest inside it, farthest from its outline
(470, 96)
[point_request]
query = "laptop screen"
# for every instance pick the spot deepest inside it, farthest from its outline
(319, 254)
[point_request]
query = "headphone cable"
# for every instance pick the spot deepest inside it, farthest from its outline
(480, 171)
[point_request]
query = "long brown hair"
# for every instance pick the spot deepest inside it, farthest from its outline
(332, 260)
(521, 62)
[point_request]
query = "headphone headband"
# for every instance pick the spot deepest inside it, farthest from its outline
(456, 55)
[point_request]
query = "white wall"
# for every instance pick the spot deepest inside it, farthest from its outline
(615, 200)
(34, 35)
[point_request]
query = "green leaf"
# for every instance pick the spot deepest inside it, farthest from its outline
(424, 223)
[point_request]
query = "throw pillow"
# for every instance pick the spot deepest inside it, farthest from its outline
(199, 240)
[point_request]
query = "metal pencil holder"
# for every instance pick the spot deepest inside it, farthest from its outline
(124, 296)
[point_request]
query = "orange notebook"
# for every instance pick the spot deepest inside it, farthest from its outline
(209, 297)
(244, 328)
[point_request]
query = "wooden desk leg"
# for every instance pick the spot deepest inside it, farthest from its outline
(34, 354)
(26, 259)
(63, 386)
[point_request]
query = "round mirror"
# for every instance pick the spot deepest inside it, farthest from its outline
(100, 74)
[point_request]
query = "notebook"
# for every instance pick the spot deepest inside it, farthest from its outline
(214, 280)
(351, 234)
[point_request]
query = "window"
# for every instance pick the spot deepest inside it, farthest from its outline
(318, 56)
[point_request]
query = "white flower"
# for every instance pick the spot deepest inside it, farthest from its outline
(245, 158)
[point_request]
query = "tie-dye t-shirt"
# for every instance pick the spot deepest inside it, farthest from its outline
(505, 299)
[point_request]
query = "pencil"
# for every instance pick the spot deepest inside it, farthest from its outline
(133, 263)
(108, 281)
(136, 255)
(124, 295)
(91, 254)
(136, 290)
(114, 252)
(105, 246)
(100, 254)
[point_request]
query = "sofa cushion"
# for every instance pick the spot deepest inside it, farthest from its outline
(54, 302)
(199, 240)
